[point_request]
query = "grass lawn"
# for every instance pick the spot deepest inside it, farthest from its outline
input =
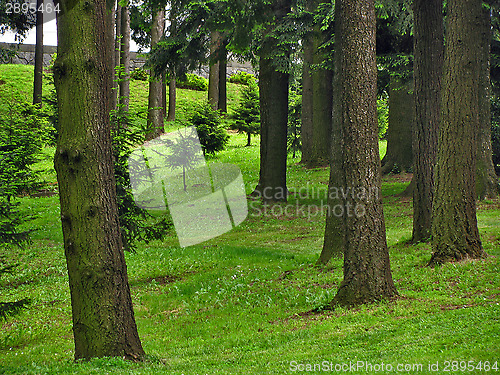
(243, 303)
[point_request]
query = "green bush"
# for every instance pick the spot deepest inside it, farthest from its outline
(139, 74)
(208, 122)
(193, 82)
(242, 78)
(247, 114)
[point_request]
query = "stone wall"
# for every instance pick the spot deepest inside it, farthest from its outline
(26, 56)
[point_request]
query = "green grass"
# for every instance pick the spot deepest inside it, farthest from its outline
(242, 303)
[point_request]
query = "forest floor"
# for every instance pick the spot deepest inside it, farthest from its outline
(247, 301)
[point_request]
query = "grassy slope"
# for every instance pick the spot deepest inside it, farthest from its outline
(238, 304)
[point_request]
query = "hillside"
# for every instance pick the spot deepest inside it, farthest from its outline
(247, 302)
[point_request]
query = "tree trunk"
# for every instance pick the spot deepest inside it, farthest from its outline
(223, 80)
(487, 184)
(317, 99)
(103, 317)
(125, 59)
(172, 98)
(398, 157)
(38, 71)
(273, 88)
(454, 227)
(367, 271)
(155, 125)
(116, 55)
(427, 72)
(172, 83)
(214, 69)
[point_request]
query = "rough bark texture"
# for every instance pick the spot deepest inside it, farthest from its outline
(317, 99)
(103, 318)
(399, 157)
(273, 88)
(428, 66)
(38, 72)
(454, 228)
(155, 123)
(125, 59)
(487, 183)
(367, 272)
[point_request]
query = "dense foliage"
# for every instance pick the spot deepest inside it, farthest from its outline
(242, 78)
(193, 82)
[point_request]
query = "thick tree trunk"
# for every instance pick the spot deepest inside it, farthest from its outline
(273, 88)
(317, 99)
(125, 59)
(103, 318)
(155, 125)
(454, 228)
(38, 72)
(428, 66)
(399, 157)
(367, 271)
(487, 183)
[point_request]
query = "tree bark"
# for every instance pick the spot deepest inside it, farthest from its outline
(273, 88)
(454, 227)
(125, 59)
(399, 157)
(103, 317)
(317, 98)
(487, 183)
(155, 125)
(367, 271)
(38, 71)
(428, 67)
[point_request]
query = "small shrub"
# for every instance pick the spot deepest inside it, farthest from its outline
(247, 114)
(193, 82)
(242, 78)
(139, 74)
(208, 123)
